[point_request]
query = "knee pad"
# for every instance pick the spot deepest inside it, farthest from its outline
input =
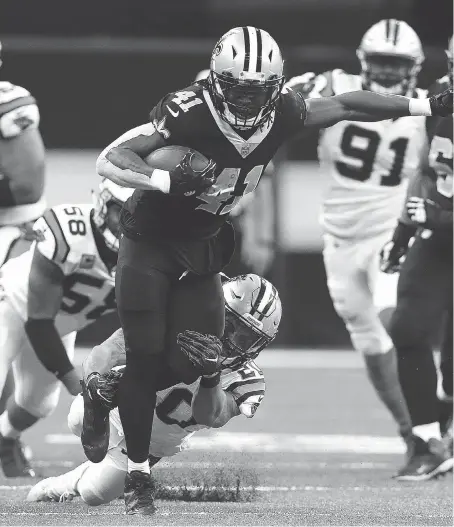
(101, 484)
(76, 415)
(408, 336)
(40, 408)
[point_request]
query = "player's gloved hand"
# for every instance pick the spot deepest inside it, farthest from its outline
(186, 181)
(203, 351)
(428, 214)
(441, 104)
(393, 253)
(104, 387)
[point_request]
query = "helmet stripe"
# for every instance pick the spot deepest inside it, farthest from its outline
(253, 42)
(247, 48)
(259, 50)
(260, 296)
(388, 28)
(396, 33)
(271, 301)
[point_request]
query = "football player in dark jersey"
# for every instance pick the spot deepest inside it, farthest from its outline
(424, 299)
(176, 237)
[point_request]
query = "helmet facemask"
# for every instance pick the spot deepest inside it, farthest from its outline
(246, 102)
(390, 74)
(252, 316)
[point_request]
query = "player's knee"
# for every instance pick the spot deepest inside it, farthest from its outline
(92, 499)
(39, 406)
(75, 416)
(406, 332)
(368, 335)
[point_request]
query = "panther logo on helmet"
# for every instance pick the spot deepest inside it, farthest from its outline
(246, 77)
(107, 204)
(391, 57)
(253, 313)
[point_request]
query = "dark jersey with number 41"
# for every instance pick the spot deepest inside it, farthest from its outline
(188, 118)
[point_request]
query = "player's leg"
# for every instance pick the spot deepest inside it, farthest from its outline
(348, 269)
(420, 305)
(144, 278)
(13, 341)
(197, 303)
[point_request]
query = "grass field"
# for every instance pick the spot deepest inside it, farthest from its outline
(320, 451)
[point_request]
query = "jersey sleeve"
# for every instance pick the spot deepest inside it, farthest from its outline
(61, 236)
(18, 110)
(175, 114)
(247, 388)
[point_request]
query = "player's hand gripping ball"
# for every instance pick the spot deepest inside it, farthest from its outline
(203, 351)
(190, 172)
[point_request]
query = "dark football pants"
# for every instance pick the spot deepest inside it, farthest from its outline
(154, 305)
(424, 299)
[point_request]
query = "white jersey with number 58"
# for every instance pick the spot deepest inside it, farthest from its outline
(368, 164)
(67, 239)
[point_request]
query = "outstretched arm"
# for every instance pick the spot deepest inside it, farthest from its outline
(368, 106)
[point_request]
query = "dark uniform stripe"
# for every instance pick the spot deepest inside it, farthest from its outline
(245, 397)
(259, 51)
(16, 103)
(61, 245)
(247, 48)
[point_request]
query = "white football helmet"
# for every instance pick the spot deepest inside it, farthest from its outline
(109, 193)
(253, 313)
(391, 57)
(203, 74)
(246, 76)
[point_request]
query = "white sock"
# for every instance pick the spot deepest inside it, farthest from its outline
(142, 467)
(428, 431)
(6, 428)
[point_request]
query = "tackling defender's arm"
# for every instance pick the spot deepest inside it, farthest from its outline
(211, 405)
(369, 106)
(45, 293)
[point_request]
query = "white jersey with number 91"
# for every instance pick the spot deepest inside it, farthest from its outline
(368, 164)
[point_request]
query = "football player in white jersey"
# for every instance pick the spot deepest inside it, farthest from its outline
(181, 410)
(368, 166)
(61, 284)
(22, 166)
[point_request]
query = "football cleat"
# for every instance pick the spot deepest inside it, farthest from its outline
(95, 425)
(139, 493)
(427, 461)
(47, 490)
(13, 459)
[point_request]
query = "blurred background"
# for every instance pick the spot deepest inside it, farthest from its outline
(98, 67)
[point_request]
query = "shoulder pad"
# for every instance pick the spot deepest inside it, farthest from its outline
(420, 93)
(18, 110)
(65, 234)
(176, 112)
(343, 82)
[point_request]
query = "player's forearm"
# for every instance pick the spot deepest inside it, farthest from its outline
(208, 402)
(48, 346)
(362, 106)
(127, 169)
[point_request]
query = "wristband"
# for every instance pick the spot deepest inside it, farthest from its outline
(210, 381)
(160, 180)
(419, 107)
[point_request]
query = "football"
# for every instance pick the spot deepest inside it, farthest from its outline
(168, 157)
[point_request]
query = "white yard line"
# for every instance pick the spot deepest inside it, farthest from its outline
(219, 441)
